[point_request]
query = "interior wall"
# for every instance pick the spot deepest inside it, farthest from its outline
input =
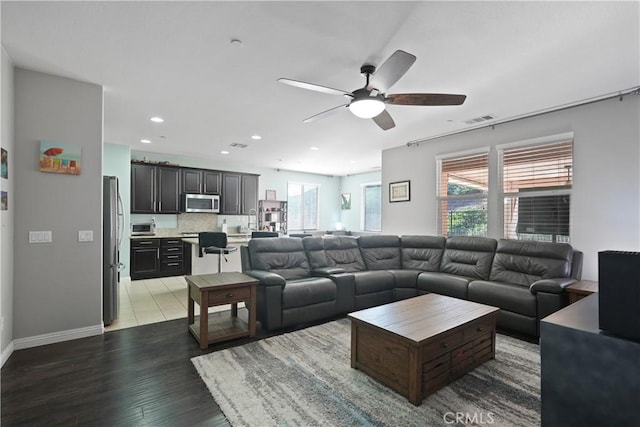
(605, 202)
(58, 285)
(6, 216)
(352, 218)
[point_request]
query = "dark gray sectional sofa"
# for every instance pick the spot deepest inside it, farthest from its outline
(315, 278)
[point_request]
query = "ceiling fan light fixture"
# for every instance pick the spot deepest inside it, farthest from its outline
(366, 108)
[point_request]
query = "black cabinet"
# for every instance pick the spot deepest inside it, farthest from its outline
(249, 193)
(211, 182)
(200, 181)
(155, 189)
(191, 181)
(145, 258)
(231, 185)
(168, 190)
(156, 257)
(143, 188)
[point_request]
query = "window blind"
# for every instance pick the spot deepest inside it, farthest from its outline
(462, 195)
(302, 206)
(372, 207)
(536, 191)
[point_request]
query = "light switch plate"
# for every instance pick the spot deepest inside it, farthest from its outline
(40, 237)
(85, 236)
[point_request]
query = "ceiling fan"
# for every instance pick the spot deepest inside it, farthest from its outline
(369, 102)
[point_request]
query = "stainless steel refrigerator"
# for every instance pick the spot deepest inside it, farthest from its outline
(112, 229)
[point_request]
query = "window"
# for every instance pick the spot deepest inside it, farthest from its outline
(302, 206)
(536, 190)
(462, 195)
(372, 207)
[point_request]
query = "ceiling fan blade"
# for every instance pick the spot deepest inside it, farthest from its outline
(391, 70)
(312, 86)
(384, 120)
(323, 114)
(425, 99)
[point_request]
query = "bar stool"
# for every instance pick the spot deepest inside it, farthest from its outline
(211, 242)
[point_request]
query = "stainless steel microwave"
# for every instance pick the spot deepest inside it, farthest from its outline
(143, 229)
(201, 203)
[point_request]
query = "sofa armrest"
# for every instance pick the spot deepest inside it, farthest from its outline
(267, 278)
(327, 271)
(553, 286)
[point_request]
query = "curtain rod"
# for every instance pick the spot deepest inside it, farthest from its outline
(621, 94)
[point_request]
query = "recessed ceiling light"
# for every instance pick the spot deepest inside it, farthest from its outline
(145, 141)
(157, 119)
(224, 152)
(256, 137)
(314, 148)
(352, 161)
(236, 42)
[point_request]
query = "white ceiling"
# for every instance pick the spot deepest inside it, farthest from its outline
(175, 60)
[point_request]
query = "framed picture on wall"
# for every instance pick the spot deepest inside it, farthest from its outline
(346, 201)
(400, 191)
(270, 194)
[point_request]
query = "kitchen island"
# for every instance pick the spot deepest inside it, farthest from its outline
(208, 263)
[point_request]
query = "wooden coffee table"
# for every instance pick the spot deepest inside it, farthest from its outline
(418, 345)
(209, 290)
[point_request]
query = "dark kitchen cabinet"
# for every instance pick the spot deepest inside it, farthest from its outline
(249, 193)
(143, 188)
(200, 181)
(168, 190)
(155, 257)
(191, 181)
(145, 258)
(231, 192)
(211, 182)
(155, 189)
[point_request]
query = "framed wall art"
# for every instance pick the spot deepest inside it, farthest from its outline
(58, 157)
(345, 201)
(400, 191)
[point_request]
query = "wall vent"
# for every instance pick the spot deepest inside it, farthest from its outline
(238, 145)
(480, 119)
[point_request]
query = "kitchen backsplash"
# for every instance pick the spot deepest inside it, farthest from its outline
(209, 222)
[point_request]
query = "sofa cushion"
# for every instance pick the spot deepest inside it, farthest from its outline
(314, 247)
(444, 284)
(506, 296)
(367, 282)
(343, 251)
(380, 252)
(422, 252)
(304, 292)
(525, 261)
(468, 256)
(284, 256)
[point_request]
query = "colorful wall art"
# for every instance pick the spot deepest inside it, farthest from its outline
(5, 164)
(58, 157)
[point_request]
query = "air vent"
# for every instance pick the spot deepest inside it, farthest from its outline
(480, 119)
(238, 145)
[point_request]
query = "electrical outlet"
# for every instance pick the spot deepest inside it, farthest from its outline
(85, 236)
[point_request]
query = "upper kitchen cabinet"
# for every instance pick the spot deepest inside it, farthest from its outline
(143, 188)
(192, 181)
(211, 182)
(155, 189)
(200, 181)
(249, 194)
(231, 192)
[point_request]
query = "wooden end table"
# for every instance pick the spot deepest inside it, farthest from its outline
(581, 289)
(209, 290)
(418, 345)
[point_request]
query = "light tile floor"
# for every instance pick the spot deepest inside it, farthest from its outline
(153, 300)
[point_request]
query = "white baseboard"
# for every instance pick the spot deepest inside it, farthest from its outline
(55, 337)
(6, 353)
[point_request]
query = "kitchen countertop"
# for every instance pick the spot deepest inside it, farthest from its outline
(171, 233)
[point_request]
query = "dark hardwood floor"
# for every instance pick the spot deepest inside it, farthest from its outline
(141, 376)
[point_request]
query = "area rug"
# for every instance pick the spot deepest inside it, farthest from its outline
(305, 378)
